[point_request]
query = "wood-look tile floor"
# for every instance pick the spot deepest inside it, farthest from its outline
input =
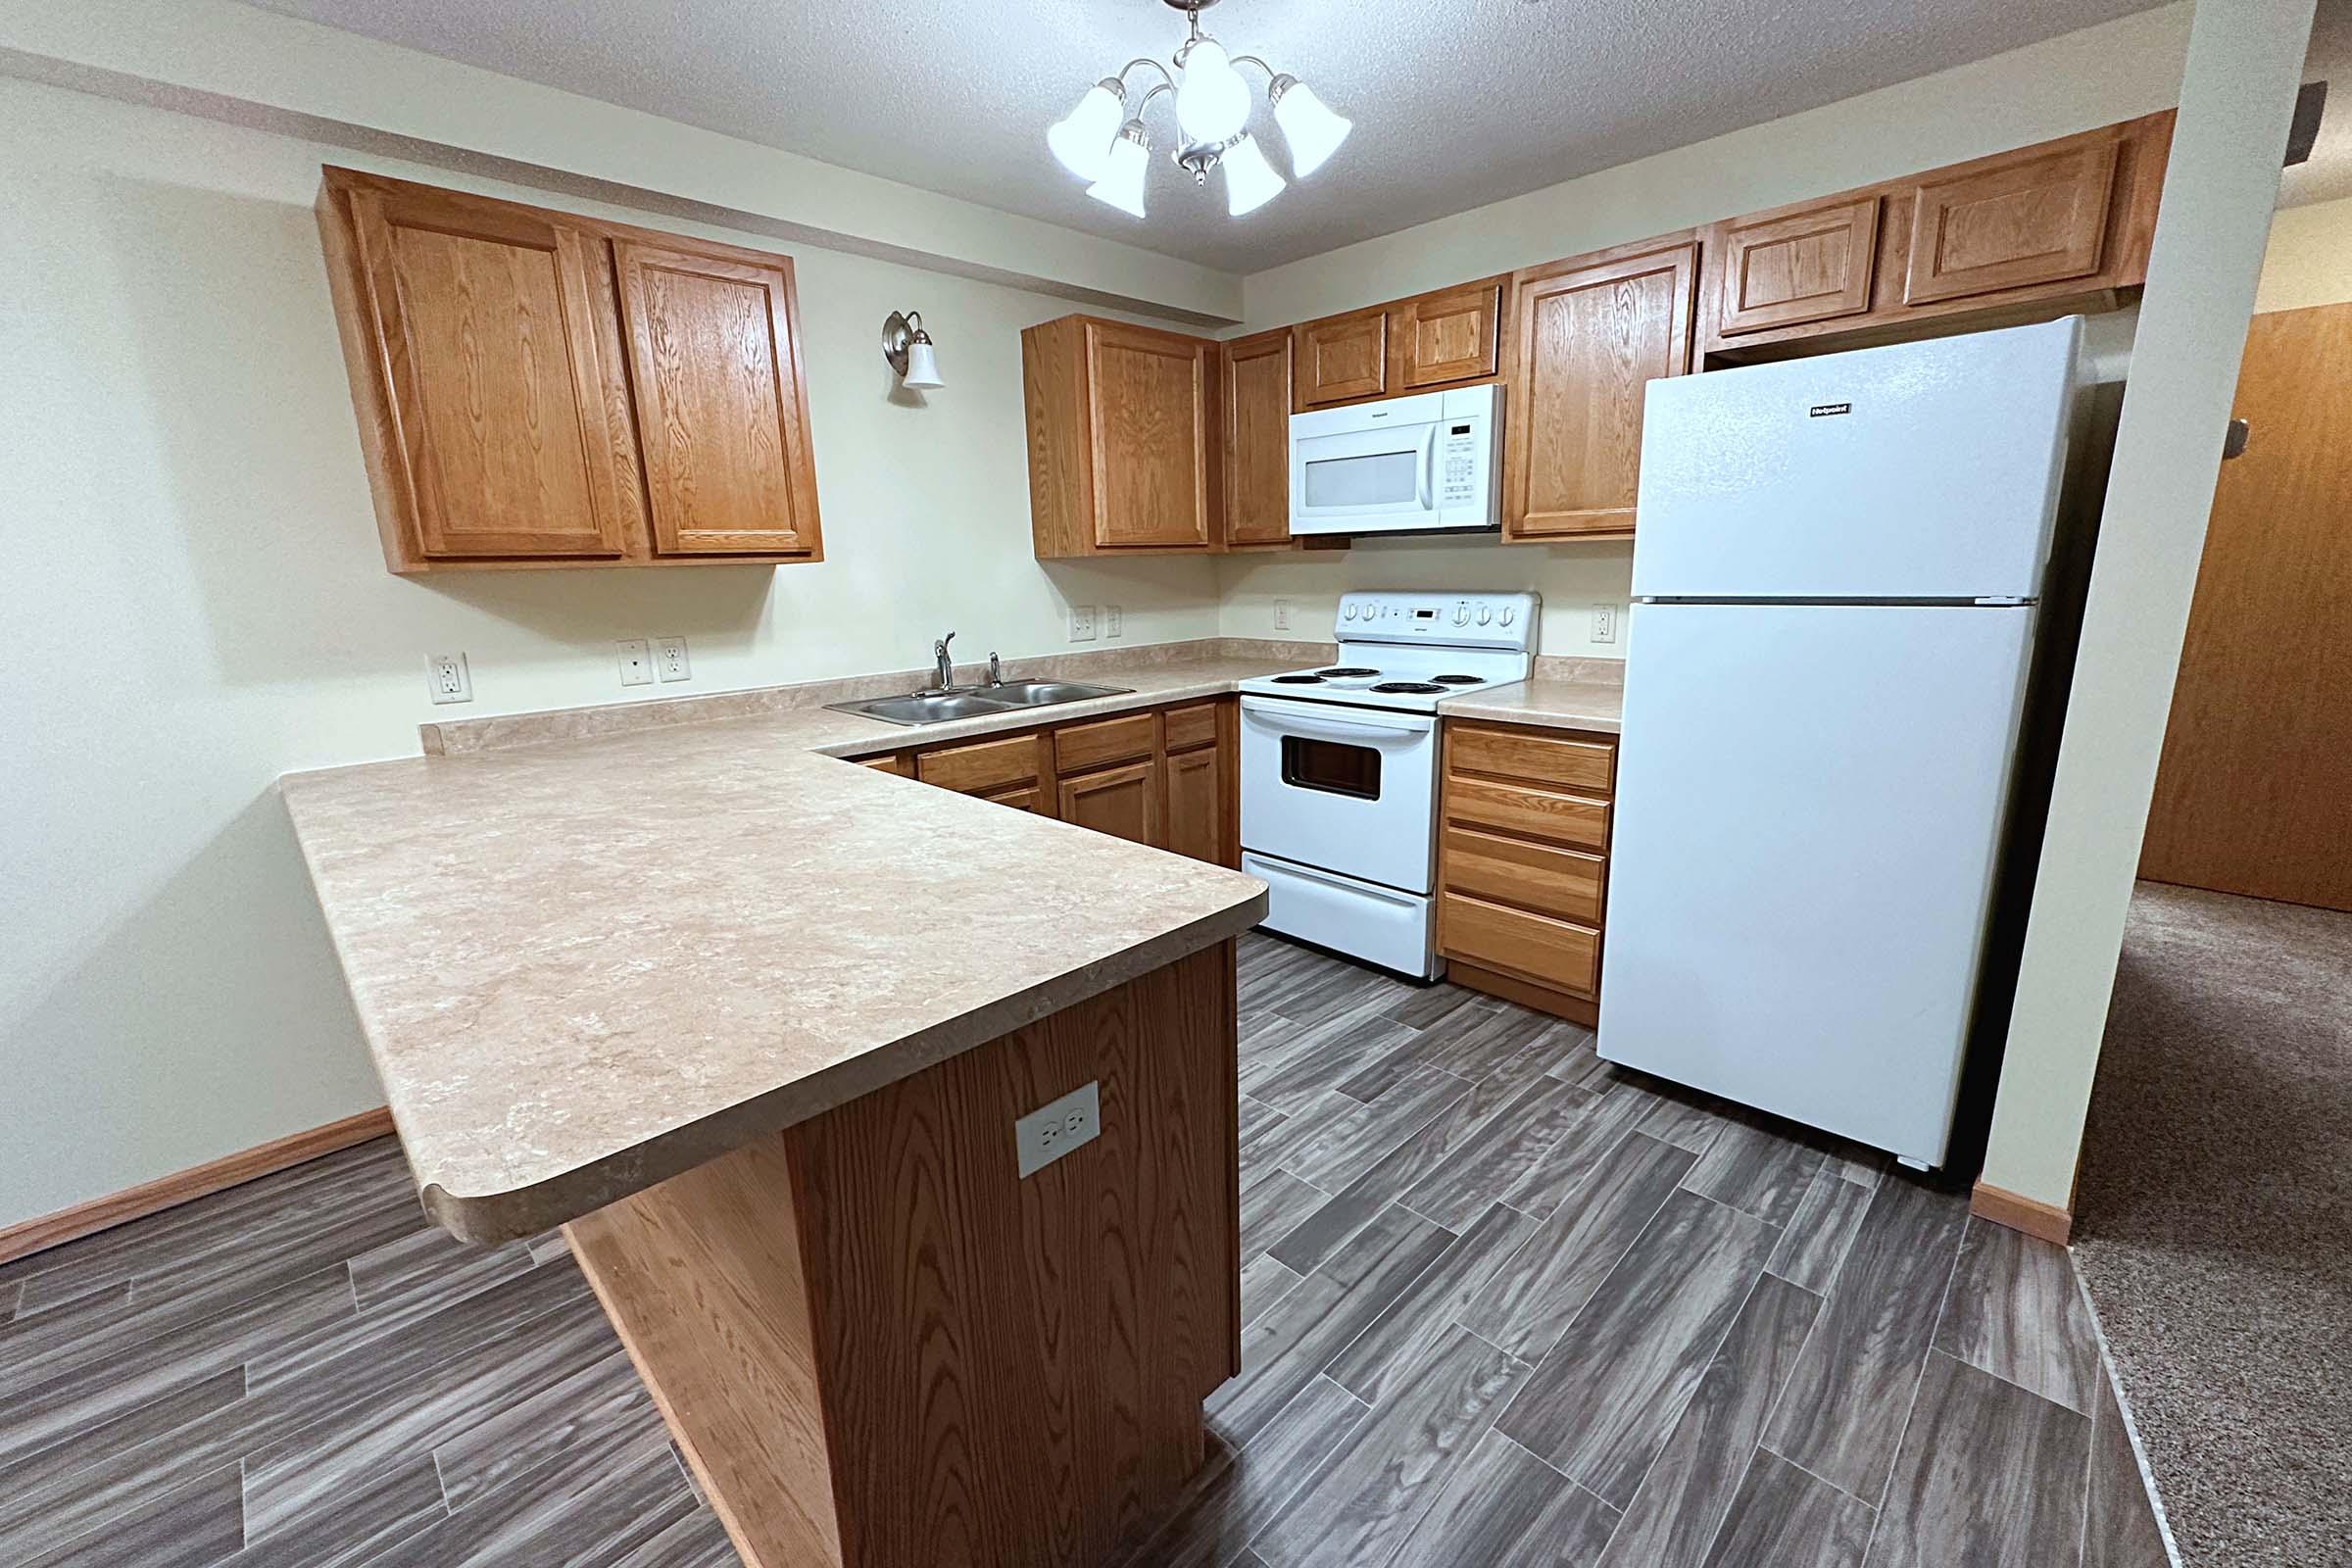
(1505, 1306)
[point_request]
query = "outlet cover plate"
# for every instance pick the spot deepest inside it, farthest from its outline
(669, 659)
(1082, 623)
(1053, 1130)
(447, 679)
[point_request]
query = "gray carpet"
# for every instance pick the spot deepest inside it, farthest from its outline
(2215, 1219)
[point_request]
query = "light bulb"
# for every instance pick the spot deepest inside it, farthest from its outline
(1313, 131)
(1082, 141)
(1250, 180)
(1213, 102)
(922, 365)
(1122, 181)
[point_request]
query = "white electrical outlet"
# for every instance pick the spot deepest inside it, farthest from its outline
(446, 677)
(669, 659)
(636, 662)
(1112, 620)
(1082, 623)
(1281, 614)
(1604, 623)
(1051, 1131)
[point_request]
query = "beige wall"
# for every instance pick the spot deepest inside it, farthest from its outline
(2235, 100)
(2074, 82)
(191, 552)
(2309, 259)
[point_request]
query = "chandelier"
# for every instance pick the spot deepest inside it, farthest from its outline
(1105, 143)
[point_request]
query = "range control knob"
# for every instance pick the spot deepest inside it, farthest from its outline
(1485, 612)
(1349, 613)
(1509, 614)
(1462, 613)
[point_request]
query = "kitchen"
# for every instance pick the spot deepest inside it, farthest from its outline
(937, 943)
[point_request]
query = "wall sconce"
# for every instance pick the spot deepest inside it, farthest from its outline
(907, 348)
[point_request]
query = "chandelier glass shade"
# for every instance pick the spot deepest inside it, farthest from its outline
(1104, 141)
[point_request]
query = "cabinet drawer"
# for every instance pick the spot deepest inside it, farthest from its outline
(1558, 952)
(982, 767)
(1538, 813)
(893, 762)
(1536, 876)
(1077, 747)
(1027, 797)
(1538, 759)
(1196, 725)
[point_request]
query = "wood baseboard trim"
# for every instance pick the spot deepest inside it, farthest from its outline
(2044, 1220)
(27, 1237)
(1526, 993)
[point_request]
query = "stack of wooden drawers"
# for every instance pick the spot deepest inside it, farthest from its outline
(1522, 863)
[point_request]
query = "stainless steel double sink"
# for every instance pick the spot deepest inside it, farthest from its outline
(976, 702)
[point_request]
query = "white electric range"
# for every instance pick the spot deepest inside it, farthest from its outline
(1339, 768)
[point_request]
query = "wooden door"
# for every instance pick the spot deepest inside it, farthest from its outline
(1590, 333)
(1121, 801)
(2254, 792)
(506, 420)
(1257, 439)
(721, 399)
(1810, 263)
(1196, 802)
(1452, 335)
(1341, 357)
(1148, 396)
(2036, 218)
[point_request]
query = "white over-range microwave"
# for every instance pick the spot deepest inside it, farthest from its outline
(1410, 465)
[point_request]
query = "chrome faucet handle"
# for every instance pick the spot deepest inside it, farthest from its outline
(946, 670)
(996, 669)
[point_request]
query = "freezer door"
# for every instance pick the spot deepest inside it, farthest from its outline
(1808, 813)
(1922, 471)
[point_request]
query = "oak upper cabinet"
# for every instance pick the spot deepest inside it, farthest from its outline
(501, 418)
(1257, 399)
(1123, 438)
(1590, 333)
(1447, 337)
(721, 399)
(2027, 233)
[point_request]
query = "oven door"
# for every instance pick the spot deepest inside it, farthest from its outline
(1351, 790)
(1363, 480)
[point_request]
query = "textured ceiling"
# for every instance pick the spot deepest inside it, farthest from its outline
(1457, 103)
(2327, 173)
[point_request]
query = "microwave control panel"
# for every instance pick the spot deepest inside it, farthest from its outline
(1458, 460)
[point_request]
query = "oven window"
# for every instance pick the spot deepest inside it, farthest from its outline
(1376, 479)
(1332, 766)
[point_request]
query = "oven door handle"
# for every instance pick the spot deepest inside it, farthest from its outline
(1349, 884)
(1318, 726)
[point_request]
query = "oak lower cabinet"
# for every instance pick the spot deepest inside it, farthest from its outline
(2018, 236)
(1591, 333)
(1167, 777)
(1123, 440)
(537, 389)
(1522, 863)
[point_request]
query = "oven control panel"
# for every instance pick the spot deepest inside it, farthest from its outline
(1460, 620)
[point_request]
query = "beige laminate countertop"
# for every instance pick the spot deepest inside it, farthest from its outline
(586, 964)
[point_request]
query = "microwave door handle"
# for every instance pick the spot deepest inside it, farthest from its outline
(1429, 466)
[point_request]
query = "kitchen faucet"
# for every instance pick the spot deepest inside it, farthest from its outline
(946, 670)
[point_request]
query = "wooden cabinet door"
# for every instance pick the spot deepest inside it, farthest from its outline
(1195, 802)
(1810, 263)
(1257, 439)
(1119, 801)
(2039, 217)
(506, 420)
(1589, 335)
(1147, 412)
(721, 399)
(1341, 357)
(1452, 335)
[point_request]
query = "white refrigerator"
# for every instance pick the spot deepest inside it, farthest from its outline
(1837, 576)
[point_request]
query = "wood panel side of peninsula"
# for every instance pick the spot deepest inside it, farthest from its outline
(878, 1345)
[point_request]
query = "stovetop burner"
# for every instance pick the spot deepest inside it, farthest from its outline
(1297, 680)
(1345, 672)
(1408, 688)
(1458, 680)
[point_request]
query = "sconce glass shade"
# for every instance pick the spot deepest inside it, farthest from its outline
(1250, 180)
(1313, 131)
(922, 365)
(1121, 184)
(1213, 102)
(1082, 140)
